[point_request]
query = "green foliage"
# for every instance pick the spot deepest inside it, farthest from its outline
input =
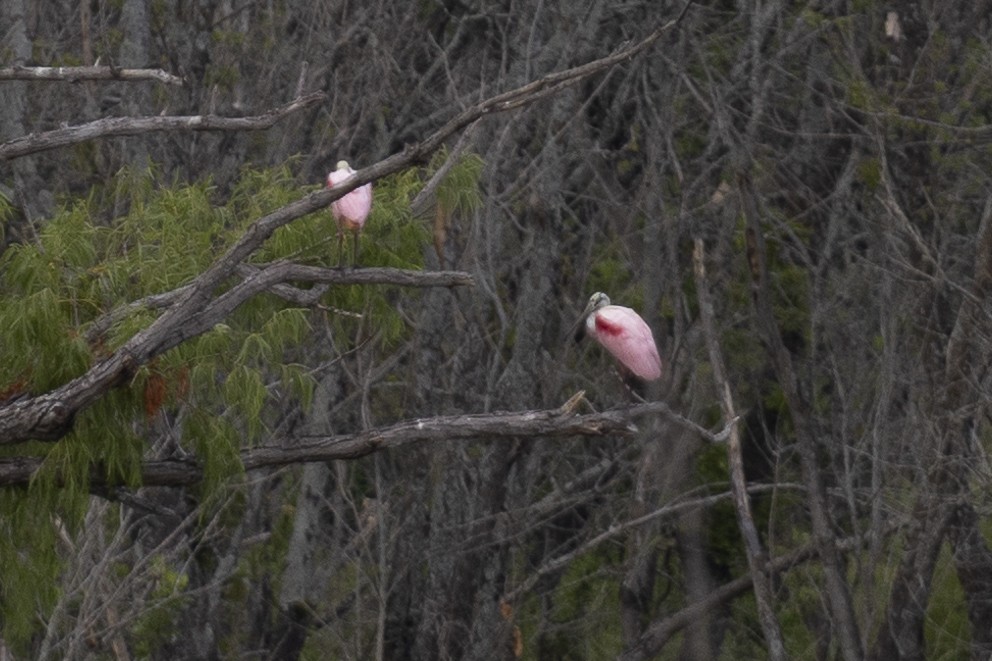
(29, 564)
(458, 192)
(159, 619)
(53, 291)
(132, 238)
(102, 439)
(215, 441)
(870, 173)
(41, 319)
(582, 600)
(947, 629)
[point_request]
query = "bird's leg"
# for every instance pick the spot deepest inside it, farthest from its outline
(635, 387)
(354, 252)
(635, 395)
(340, 248)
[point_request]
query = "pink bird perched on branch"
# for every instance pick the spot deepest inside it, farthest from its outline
(351, 210)
(623, 333)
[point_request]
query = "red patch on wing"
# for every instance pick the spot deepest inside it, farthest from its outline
(603, 325)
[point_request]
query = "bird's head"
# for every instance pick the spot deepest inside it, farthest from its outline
(596, 301)
(342, 165)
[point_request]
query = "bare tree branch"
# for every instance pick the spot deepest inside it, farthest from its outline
(549, 423)
(271, 277)
(757, 559)
(490, 426)
(118, 126)
(52, 412)
(73, 74)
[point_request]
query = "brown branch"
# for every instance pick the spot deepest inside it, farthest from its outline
(757, 559)
(276, 273)
(547, 423)
(118, 126)
(271, 277)
(73, 74)
(49, 416)
(552, 423)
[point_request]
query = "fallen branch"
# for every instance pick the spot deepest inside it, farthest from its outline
(118, 126)
(73, 74)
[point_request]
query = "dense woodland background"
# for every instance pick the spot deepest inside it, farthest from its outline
(826, 162)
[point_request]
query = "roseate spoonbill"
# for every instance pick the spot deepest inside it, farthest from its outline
(623, 333)
(349, 211)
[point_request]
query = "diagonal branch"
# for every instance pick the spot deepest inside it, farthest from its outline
(118, 126)
(49, 416)
(73, 74)
(757, 559)
(276, 273)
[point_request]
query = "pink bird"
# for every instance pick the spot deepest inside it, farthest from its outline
(624, 334)
(351, 210)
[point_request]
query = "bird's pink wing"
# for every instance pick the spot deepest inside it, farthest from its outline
(624, 334)
(354, 207)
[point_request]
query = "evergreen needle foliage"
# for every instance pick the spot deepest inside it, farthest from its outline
(212, 396)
